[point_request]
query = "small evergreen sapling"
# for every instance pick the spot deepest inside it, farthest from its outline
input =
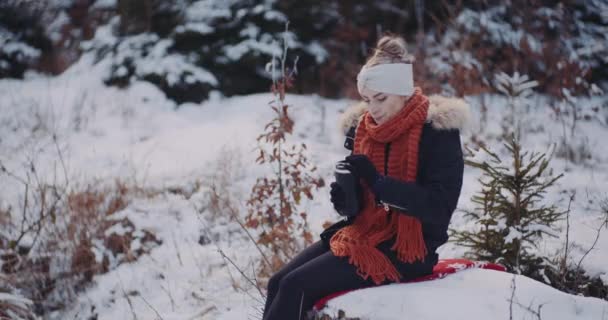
(510, 218)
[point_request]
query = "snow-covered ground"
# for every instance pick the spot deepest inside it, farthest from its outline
(468, 294)
(138, 135)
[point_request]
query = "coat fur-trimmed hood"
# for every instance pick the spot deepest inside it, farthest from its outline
(444, 113)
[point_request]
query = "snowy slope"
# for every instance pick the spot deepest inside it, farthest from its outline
(140, 136)
(468, 294)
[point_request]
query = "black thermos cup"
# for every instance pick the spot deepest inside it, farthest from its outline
(350, 185)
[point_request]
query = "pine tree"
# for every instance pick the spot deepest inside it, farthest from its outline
(22, 37)
(188, 48)
(510, 218)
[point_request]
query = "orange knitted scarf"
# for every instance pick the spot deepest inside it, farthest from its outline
(358, 241)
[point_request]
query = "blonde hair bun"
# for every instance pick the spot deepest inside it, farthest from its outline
(390, 49)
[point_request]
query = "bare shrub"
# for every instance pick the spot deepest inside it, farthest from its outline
(274, 201)
(65, 236)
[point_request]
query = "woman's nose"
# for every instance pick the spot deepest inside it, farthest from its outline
(373, 107)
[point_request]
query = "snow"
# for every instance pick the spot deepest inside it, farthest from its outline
(516, 85)
(513, 234)
(499, 32)
(275, 15)
(209, 10)
(147, 54)
(13, 299)
(266, 45)
(502, 26)
(468, 294)
(10, 46)
(118, 229)
(15, 306)
(317, 50)
(105, 4)
(199, 27)
(139, 135)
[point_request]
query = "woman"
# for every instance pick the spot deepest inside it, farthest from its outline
(408, 156)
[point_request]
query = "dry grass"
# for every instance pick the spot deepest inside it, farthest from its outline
(71, 227)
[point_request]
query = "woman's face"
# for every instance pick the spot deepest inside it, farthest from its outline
(382, 106)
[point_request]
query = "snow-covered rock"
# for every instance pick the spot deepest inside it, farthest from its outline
(467, 295)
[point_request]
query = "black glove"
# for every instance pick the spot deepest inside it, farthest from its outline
(364, 168)
(337, 196)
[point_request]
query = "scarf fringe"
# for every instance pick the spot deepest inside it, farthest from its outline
(409, 244)
(369, 261)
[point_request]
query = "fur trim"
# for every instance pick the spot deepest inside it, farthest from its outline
(444, 113)
(448, 113)
(351, 116)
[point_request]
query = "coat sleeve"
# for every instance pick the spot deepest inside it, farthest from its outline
(434, 197)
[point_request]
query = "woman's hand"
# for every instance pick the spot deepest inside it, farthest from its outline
(364, 168)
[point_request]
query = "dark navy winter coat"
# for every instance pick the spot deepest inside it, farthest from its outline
(434, 195)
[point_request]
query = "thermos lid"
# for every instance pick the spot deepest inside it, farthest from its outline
(343, 167)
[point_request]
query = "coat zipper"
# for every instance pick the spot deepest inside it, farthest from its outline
(387, 150)
(387, 206)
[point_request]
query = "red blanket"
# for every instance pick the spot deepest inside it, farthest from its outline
(441, 269)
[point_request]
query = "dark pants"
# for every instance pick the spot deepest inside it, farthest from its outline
(313, 274)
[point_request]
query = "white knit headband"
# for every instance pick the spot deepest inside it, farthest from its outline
(392, 78)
